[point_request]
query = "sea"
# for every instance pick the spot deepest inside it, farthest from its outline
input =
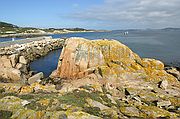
(161, 44)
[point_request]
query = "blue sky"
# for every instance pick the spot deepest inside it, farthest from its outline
(92, 14)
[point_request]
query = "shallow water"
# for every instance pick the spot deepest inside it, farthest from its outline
(46, 64)
(159, 44)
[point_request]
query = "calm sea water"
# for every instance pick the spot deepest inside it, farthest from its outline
(8, 39)
(159, 44)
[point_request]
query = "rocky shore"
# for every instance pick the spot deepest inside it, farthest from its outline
(15, 59)
(94, 79)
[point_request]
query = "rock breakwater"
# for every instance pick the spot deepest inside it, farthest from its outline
(15, 59)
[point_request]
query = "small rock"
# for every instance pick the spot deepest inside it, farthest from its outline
(81, 115)
(130, 111)
(163, 103)
(25, 102)
(174, 72)
(23, 60)
(35, 78)
(14, 59)
(53, 74)
(155, 112)
(5, 62)
(94, 103)
(164, 84)
(111, 98)
(22, 67)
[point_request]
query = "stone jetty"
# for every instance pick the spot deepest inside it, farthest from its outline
(15, 58)
(94, 79)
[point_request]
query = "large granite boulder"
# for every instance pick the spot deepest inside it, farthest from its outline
(10, 74)
(109, 59)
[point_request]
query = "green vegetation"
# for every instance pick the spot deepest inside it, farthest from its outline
(5, 114)
(7, 25)
(7, 28)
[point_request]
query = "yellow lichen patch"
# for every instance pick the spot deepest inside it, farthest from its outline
(136, 66)
(106, 72)
(154, 112)
(44, 102)
(26, 90)
(37, 86)
(152, 63)
(39, 114)
(174, 101)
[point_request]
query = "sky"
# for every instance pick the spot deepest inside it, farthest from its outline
(92, 14)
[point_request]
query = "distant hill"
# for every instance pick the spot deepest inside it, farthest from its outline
(11, 30)
(170, 29)
(7, 25)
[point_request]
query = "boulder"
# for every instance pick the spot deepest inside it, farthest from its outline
(35, 78)
(22, 67)
(173, 71)
(10, 73)
(14, 59)
(5, 62)
(163, 103)
(22, 60)
(155, 112)
(109, 59)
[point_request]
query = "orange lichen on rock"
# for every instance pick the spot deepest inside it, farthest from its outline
(109, 58)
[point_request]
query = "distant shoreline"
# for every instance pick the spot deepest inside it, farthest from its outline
(31, 35)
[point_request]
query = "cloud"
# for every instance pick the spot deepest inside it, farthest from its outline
(133, 13)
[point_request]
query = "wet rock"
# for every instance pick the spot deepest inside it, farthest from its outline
(35, 78)
(22, 60)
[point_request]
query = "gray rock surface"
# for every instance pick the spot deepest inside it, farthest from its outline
(35, 78)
